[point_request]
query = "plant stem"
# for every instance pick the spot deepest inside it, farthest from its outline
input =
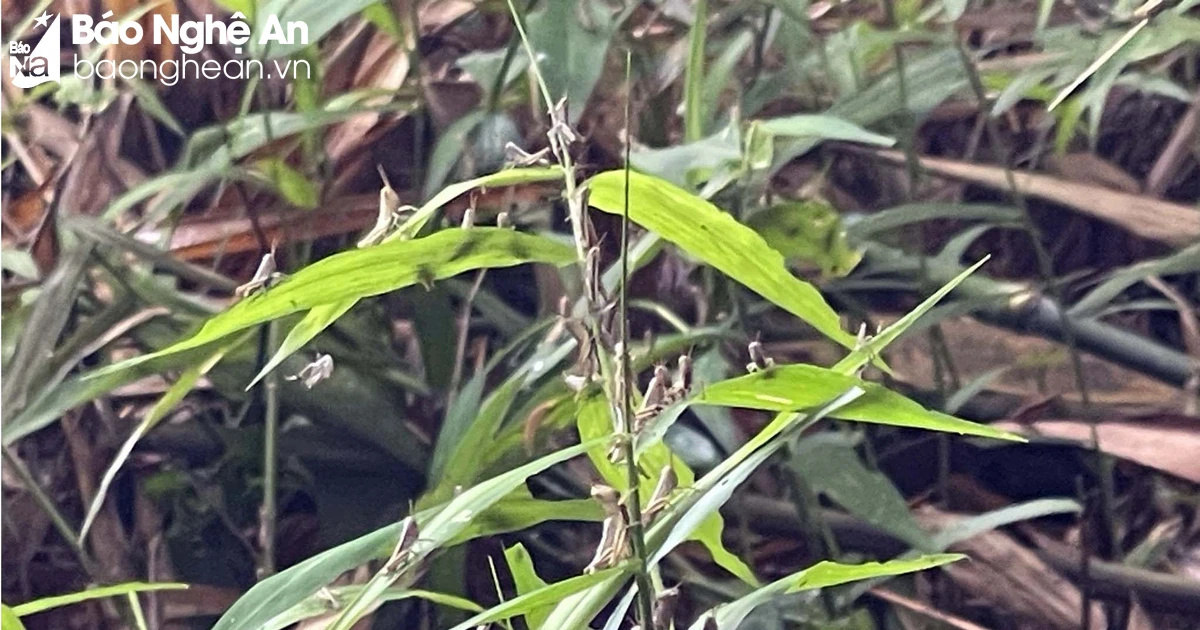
(270, 459)
(617, 390)
(43, 500)
(637, 535)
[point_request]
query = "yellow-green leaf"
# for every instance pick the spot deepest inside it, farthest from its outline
(716, 238)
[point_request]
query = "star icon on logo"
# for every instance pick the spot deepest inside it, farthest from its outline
(44, 20)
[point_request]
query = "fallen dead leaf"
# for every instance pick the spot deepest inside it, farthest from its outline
(1167, 443)
(1142, 215)
(1011, 578)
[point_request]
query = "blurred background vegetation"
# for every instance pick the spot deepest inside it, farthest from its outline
(879, 146)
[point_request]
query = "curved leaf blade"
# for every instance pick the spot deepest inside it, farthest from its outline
(371, 271)
(798, 387)
(716, 238)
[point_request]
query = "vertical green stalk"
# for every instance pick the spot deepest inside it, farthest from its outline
(270, 458)
(618, 391)
(637, 535)
(693, 83)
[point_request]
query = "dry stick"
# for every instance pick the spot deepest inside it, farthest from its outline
(1173, 155)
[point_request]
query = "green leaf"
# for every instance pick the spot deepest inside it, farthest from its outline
(875, 345)
(829, 464)
(900, 216)
(371, 271)
(449, 148)
(722, 68)
(459, 418)
(716, 238)
(9, 619)
(572, 41)
(50, 404)
(689, 165)
(507, 177)
(693, 88)
(320, 17)
(821, 575)
(297, 189)
(1184, 261)
(452, 523)
(798, 387)
(543, 597)
(47, 603)
(594, 420)
(181, 388)
(526, 580)
(447, 524)
(315, 321)
(822, 127)
(336, 598)
(810, 231)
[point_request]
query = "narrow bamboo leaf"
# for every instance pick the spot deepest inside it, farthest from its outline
(459, 419)
(9, 619)
(907, 214)
(874, 346)
(371, 271)
(823, 127)
(50, 404)
(447, 523)
(315, 321)
(1184, 261)
(830, 465)
(594, 420)
(318, 605)
(571, 42)
(47, 603)
(508, 177)
(820, 575)
(716, 238)
(462, 519)
(693, 87)
(186, 382)
(681, 517)
(526, 580)
(543, 597)
(798, 387)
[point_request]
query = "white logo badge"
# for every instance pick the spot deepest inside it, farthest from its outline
(28, 68)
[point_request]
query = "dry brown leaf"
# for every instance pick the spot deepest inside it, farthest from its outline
(1089, 168)
(1144, 216)
(1168, 443)
(1013, 579)
(1040, 367)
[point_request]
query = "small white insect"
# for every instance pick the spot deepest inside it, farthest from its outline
(315, 372)
(515, 156)
(390, 214)
(264, 277)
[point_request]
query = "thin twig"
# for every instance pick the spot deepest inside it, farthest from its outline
(464, 328)
(43, 500)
